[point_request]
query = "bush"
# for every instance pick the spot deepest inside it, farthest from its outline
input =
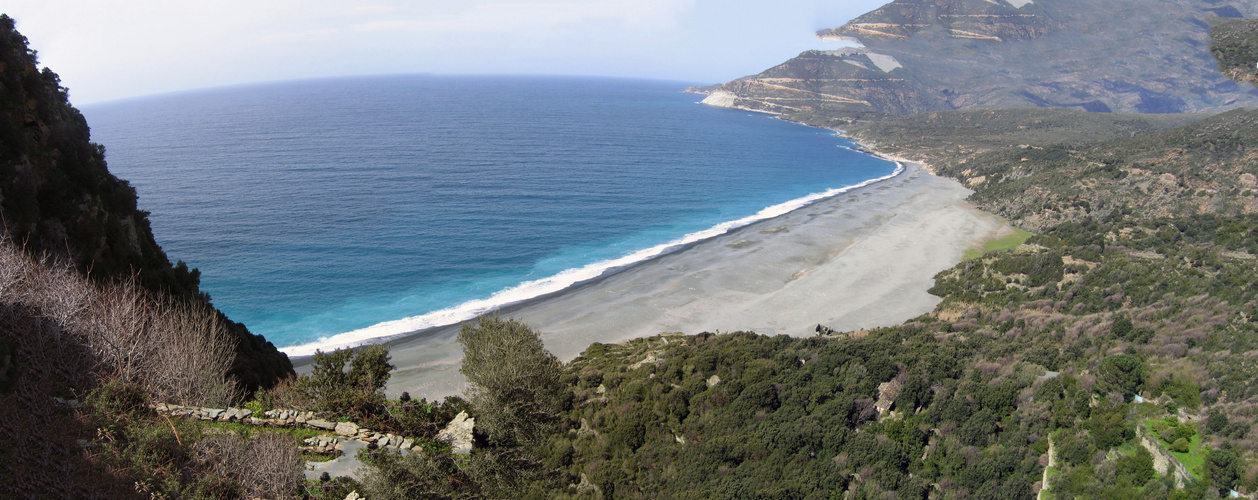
(266, 466)
(358, 391)
(1124, 373)
(516, 384)
(1181, 445)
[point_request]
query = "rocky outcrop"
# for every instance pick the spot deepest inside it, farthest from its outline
(887, 392)
(931, 55)
(458, 433)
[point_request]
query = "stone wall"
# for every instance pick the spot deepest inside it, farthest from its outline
(458, 433)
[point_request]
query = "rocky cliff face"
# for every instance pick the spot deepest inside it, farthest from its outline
(57, 198)
(1146, 56)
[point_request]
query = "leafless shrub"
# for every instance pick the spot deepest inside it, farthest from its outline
(288, 393)
(267, 466)
(178, 352)
(193, 353)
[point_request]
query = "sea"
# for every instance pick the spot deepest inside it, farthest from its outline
(341, 211)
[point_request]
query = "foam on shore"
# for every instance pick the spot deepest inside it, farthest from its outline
(537, 288)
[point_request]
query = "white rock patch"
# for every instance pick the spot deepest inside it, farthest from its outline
(884, 62)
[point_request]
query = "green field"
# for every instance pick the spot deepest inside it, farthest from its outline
(1017, 238)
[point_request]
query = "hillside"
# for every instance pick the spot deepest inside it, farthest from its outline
(931, 55)
(1111, 355)
(1234, 43)
(58, 199)
(1039, 170)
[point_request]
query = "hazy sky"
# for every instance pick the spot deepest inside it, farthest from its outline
(110, 49)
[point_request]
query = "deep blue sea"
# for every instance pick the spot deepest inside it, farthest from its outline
(385, 205)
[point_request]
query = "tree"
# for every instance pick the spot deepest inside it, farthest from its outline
(1123, 373)
(360, 390)
(1223, 467)
(516, 388)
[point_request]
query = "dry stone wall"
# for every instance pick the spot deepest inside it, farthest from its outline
(458, 433)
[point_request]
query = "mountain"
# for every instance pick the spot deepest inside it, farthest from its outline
(1235, 45)
(930, 55)
(58, 199)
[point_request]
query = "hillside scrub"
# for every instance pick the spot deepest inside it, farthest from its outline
(83, 361)
(176, 351)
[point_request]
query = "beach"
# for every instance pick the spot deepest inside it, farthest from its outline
(858, 260)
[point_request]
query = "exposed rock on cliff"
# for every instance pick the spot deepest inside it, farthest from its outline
(930, 55)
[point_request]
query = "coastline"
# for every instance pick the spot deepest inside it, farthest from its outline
(856, 260)
(533, 291)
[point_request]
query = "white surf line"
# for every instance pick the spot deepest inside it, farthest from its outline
(532, 289)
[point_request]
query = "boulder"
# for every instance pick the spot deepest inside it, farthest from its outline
(321, 424)
(348, 429)
(458, 433)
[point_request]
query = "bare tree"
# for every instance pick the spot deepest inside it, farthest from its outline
(267, 466)
(177, 351)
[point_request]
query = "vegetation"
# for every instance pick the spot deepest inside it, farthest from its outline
(59, 199)
(1234, 43)
(1117, 342)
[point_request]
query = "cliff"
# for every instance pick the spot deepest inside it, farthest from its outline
(932, 55)
(58, 199)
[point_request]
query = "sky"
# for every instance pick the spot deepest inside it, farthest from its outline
(112, 49)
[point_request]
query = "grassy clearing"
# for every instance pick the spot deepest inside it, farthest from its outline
(1194, 458)
(246, 431)
(995, 245)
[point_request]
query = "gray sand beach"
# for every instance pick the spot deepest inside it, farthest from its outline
(859, 260)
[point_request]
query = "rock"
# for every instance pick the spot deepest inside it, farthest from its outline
(244, 413)
(407, 444)
(713, 380)
(212, 413)
(458, 433)
(353, 495)
(384, 441)
(347, 429)
(321, 424)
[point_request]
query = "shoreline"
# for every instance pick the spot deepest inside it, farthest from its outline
(406, 328)
(860, 259)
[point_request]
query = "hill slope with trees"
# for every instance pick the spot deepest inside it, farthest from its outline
(58, 199)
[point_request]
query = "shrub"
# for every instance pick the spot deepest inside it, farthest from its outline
(516, 384)
(266, 466)
(1124, 373)
(357, 391)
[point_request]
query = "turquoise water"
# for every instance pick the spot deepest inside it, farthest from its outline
(385, 205)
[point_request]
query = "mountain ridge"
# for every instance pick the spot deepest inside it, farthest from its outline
(933, 55)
